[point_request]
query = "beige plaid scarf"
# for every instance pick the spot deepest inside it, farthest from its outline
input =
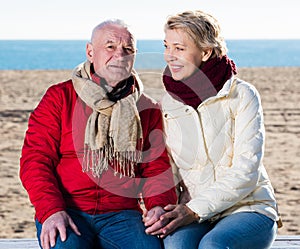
(113, 134)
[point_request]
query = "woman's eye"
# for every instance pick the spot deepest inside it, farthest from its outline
(179, 49)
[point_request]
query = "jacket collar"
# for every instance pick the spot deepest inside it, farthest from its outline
(224, 92)
(226, 88)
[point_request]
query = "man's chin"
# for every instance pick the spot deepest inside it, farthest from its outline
(113, 81)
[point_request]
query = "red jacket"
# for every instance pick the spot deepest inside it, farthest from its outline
(51, 169)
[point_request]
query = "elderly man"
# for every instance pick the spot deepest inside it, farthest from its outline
(93, 146)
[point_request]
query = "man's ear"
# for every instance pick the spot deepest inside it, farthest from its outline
(89, 52)
(206, 53)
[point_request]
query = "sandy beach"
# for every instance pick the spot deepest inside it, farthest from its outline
(280, 92)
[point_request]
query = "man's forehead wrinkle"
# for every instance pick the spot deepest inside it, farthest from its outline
(116, 37)
(113, 35)
(119, 40)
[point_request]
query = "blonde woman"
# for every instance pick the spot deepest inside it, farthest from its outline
(215, 135)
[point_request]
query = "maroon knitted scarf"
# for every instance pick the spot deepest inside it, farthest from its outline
(204, 83)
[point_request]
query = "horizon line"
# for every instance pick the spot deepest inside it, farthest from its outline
(138, 39)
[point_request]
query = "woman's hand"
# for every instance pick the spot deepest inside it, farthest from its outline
(152, 219)
(176, 216)
(184, 195)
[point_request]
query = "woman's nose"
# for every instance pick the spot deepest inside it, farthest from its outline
(169, 56)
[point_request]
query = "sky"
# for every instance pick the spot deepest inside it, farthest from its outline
(71, 19)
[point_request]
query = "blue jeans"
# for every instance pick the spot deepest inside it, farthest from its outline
(245, 230)
(116, 230)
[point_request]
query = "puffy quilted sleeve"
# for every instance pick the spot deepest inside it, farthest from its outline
(241, 177)
(40, 155)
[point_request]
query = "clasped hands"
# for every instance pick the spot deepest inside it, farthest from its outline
(163, 221)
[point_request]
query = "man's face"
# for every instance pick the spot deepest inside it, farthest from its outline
(112, 52)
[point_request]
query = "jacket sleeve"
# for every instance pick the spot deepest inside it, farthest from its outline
(40, 156)
(156, 172)
(240, 178)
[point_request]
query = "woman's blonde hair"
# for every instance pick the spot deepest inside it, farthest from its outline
(202, 28)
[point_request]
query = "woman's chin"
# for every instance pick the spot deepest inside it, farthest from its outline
(177, 77)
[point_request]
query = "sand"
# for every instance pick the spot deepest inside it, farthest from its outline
(280, 92)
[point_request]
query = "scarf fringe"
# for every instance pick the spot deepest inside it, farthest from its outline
(123, 163)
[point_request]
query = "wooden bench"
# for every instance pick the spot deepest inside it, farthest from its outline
(281, 242)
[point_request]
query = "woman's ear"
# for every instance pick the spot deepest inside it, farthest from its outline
(89, 52)
(206, 53)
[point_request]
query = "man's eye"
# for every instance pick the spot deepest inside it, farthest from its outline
(110, 47)
(129, 50)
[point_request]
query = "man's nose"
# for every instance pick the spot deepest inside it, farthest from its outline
(120, 52)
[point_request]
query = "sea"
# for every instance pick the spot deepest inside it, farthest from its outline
(66, 54)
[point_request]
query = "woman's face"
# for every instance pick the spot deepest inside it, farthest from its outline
(181, 54)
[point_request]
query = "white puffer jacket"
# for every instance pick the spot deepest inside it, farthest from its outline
(218, 151)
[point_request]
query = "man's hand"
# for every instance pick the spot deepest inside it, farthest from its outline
(178, 215)
(57, 222)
